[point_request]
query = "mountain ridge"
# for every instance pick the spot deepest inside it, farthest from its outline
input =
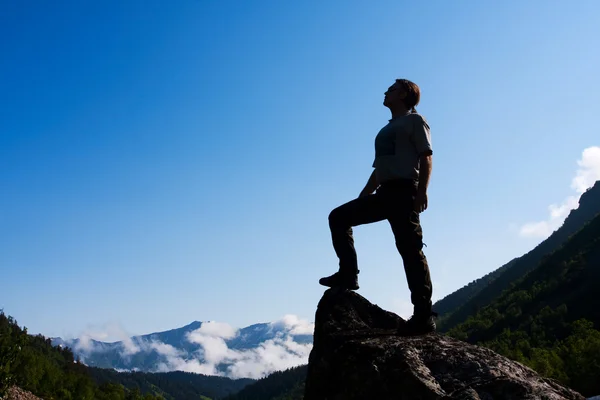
(207, 347)
(457, 306)
(549, 319)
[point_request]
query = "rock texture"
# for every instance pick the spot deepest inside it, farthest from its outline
(358, 355)
(16, 393)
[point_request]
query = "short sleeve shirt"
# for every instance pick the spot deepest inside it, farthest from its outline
(399, 145)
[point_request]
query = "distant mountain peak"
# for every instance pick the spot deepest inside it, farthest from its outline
(206, 347)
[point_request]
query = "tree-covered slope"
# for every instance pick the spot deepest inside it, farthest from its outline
(450, 303)
(456, 307)
(549, 318)
(52, 372)
(283, 385)
(32, 363)
(175, 385)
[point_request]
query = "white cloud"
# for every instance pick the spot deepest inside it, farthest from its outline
(129, 348)
(175, 363)
(165, 349)
(585, 177)
(216, 329)
(294, 325)
(272, 355)
(215, 349)
(213, 354)
(102, 333)
(589, 170)
(211, 337)
(85, 344)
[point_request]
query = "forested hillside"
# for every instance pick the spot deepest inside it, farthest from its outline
(284, 385)
(175, 385)
(456, 307)
(549, 319)
(450, 303)
(32, 363)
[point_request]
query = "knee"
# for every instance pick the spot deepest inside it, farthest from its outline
(336, 218)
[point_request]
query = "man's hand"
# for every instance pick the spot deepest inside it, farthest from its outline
(364, 192)
(420, 202)
(370, 187)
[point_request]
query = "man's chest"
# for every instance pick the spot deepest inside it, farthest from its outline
(390, 137)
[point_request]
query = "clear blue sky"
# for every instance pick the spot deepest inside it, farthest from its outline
(163, 162)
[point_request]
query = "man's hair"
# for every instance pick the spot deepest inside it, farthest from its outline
(413, 94)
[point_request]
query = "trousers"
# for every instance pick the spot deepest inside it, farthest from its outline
(392, 201)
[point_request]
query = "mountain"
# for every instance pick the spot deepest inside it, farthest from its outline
(456, 307)
(203, 347)
(280, 385)
(33, 364)
(175, 385)
(550, 318)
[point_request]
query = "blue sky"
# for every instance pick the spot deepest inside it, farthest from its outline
(164, 162)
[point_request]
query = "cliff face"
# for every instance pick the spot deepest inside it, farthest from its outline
(357, 354)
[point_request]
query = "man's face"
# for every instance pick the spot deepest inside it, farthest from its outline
(393, 95)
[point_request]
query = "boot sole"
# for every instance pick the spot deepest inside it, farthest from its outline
(340, 286)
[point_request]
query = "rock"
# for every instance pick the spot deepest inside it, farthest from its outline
(16, 393)
(358, 355)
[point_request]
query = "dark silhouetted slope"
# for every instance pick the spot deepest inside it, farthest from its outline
(282, 385)
(549, 319)
(172, 385)
(456, 307)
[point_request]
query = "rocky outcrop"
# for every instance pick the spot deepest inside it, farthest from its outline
(358, 354)
(16, 393)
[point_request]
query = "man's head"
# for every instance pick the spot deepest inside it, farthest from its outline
(403, 93)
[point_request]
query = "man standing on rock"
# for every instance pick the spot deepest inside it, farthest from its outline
(396, 191)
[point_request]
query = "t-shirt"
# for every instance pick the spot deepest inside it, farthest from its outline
(398, 146)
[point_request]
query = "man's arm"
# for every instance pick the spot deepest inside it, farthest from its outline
(370, 186)
(425, 167)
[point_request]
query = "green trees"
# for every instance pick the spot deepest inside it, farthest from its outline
(455, 308)
(171, 385)
(280, 385)
(32, 363)
(581, 354)
(10, 346)
(549, 319)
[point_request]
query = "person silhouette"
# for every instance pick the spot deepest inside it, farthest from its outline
(396, 191)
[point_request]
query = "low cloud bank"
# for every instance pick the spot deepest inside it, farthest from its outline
(214, 357)
(272, 355)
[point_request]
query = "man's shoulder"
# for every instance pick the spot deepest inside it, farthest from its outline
(418, 120)
(416, 117)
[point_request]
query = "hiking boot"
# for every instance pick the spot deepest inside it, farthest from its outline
(338, 280)
(420, 324)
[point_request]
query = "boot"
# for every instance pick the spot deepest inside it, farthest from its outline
(421, 324)
(341, 280)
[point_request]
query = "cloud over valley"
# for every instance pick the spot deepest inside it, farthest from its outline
(213, 348)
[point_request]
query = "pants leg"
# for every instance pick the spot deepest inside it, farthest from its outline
(362, 210)
(405, 224)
